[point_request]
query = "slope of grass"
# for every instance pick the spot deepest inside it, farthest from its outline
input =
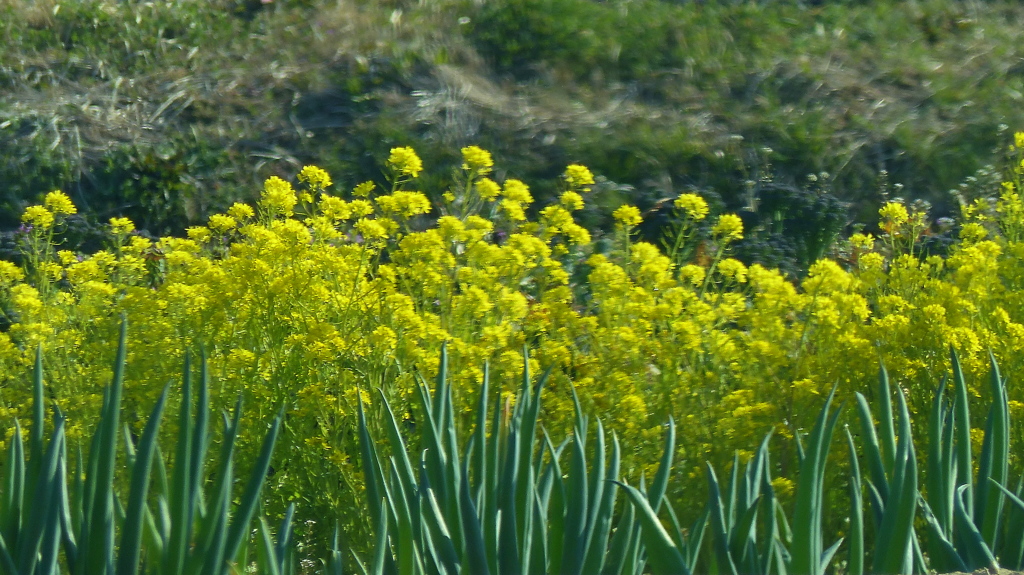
(166, 111)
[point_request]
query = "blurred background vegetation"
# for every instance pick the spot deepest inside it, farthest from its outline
(801, 116)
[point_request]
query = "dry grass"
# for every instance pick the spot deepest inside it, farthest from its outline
(295, 85)
(34, 13)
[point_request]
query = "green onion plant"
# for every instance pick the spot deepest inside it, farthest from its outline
(93, 526)
(510, 501)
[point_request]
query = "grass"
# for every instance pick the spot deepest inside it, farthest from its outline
(657, 97)
(195, 103)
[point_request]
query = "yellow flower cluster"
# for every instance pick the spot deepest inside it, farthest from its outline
(477, 159)
(315, 177)
(405, 162)
(314, 308)
(578, 177)
(404, 204)
(122, 226)
(516, 198)
(894, 213)
(729, 227)
(59, 203)
(627, 216)
(38, 216)
(693, 206)
(278, 197)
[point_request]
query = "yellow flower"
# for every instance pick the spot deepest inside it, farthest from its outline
(10, 273)
(292, 231)
(364, 189)
(361, 208)
(383, 339)
(640, 337)
(51, 270)
(517, 191)
(514, 210)
(241, 211)
(729, 227)
(122, 226)
(404, 204)
(371, 229)
(576, 233)
(26, 298)
(628, 216)
(478, 223)
(571, 200)
(405, 162)
(733, 269)
(59, 203)
(1018, 139)
(278, 196)
(222, 224)
(199, 234)
(872, 260)
(555, 218)
(827, 276)
(693, 206)
(692, 274)
(895, 213)
(783, 486)
(477, 159)
(578, 177)
(488, 189)
(335, 208)
(317, 178)
(67, 257)
(972, 233)
(862, 241)
(451, 227)
(38, 216)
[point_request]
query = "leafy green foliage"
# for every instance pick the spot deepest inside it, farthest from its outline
(658, 97)
(791, 227)
(966, 524)
(178, 528)
(506, 505)
(750, 531)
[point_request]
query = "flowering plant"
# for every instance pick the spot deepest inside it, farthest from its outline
(318, 294)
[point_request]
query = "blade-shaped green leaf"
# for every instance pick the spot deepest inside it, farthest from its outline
(36, 433)
(99, 553)
(244, 512)
(662, 553)
(601, 531)
(179, 503)
(962, 433)
(131, 536)
(615, 561)
(373, 477)
(943, 556)
(994, 463)
(13, 495)
(873, 451)
(972, 545)
(855, 563)
(893, 542)
(719, 526)
(476, 552)
(807, 543)
(660, 483)
(886, 433)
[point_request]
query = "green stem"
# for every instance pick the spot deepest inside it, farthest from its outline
(711, 269)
